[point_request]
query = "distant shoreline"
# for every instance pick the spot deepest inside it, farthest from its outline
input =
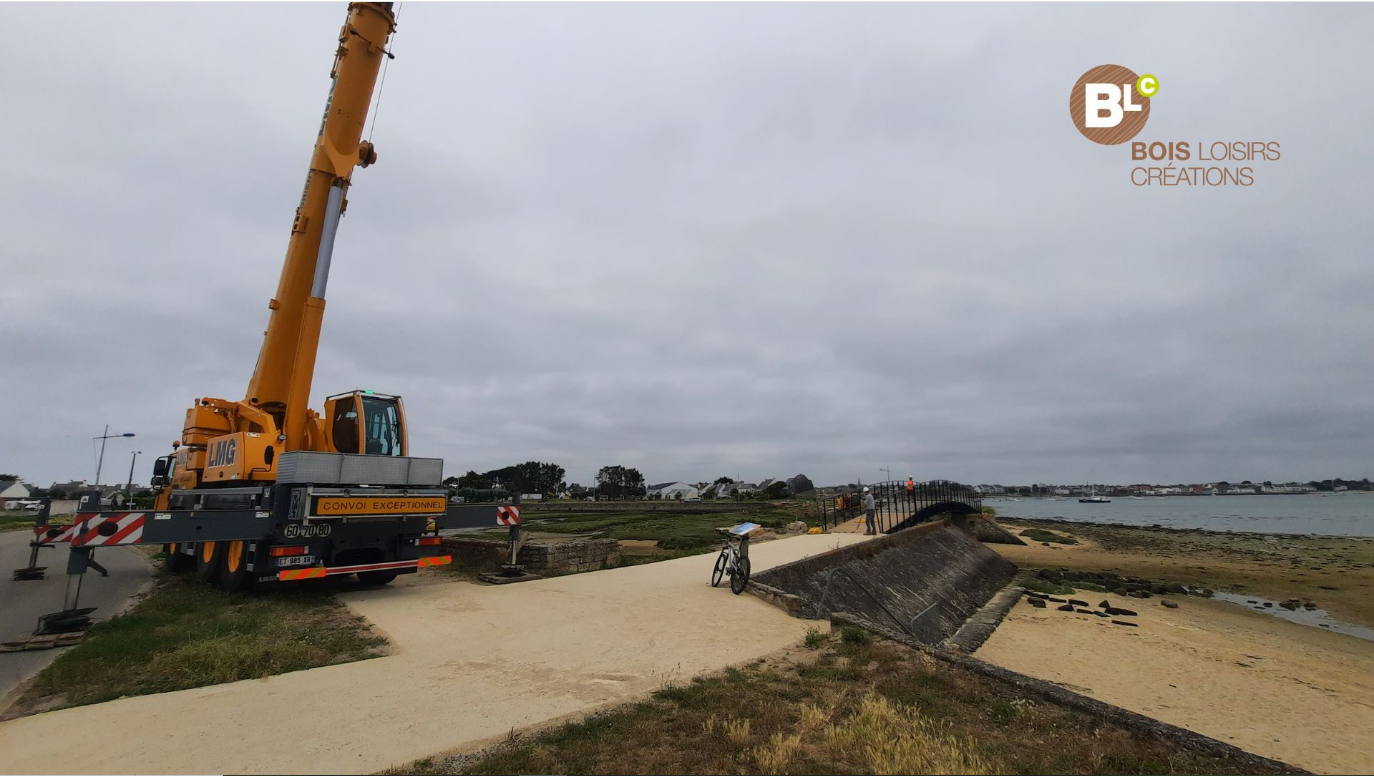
(1170, 529)
(999, 497)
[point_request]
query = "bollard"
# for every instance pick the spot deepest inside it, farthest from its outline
(71, 618)
(34, 571)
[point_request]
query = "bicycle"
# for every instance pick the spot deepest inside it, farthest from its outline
(734, 559)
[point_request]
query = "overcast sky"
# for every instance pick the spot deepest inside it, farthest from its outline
(705, 240)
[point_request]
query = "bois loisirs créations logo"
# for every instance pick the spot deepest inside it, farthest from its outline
(1110, 105)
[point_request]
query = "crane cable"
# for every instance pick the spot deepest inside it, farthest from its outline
(377, 109)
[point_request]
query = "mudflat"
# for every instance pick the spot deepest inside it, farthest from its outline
(1337, 573)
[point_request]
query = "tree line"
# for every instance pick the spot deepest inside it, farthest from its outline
(547, 480)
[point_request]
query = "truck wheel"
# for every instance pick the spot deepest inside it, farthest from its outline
(209, 561)
(376, 577)
(174, 560)
(234, 576)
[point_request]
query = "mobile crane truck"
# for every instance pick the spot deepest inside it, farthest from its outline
(264, 489)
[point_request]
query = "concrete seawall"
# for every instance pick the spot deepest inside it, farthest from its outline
(925, 581)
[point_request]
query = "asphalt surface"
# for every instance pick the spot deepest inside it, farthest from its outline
(22, 602)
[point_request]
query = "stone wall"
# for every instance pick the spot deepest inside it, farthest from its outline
(927, 580)
(544, 558)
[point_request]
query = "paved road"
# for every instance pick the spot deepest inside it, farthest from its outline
(22, 602)
(471, 663)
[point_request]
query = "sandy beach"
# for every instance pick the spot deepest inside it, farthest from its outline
(1282, 690)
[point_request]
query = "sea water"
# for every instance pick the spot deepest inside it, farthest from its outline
(1338, 514)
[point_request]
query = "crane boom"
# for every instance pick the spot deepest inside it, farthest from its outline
(280, 385)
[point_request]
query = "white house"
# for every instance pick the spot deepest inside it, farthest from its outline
(674, 491)
(732, 489)
(14, 489)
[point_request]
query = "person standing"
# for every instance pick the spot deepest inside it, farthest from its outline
(868, 512)
(911, 492)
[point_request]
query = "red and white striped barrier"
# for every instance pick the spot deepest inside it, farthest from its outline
(52, 534)
(108, 530)
(508, 515)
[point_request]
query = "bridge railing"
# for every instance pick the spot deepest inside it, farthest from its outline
(896, 507)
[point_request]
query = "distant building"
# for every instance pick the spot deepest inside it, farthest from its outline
(788, 490)
(14, 489)
(674, 491)
(68, 489)
(731, 490)
(800, 484)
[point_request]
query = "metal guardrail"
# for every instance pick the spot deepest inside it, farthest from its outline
(896, 507)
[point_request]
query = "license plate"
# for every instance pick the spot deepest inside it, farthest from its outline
(299, 560)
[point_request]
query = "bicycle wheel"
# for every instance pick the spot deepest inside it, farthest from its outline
(740, 578)
(719, 570)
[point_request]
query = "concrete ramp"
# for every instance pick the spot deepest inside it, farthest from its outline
(925, 581)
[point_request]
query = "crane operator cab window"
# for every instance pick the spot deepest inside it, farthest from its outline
(345, 428)
(381, 426)
(367, 423)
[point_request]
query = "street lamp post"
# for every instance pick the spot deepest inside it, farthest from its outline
(889, 472)
(102, 439)
(129, 488)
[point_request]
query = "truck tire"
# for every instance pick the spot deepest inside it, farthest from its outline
(234, 576)
(376, 577)
(175, 561)
(209, 561)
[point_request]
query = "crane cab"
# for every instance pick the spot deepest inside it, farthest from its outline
(365, 423)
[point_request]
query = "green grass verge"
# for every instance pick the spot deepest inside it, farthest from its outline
(16, 521)
(185, 634)
(850, 707)
(673, 532)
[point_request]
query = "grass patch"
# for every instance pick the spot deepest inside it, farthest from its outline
(1093, 586)
(880, 708)
(17, 521)
(852, 635)
(684, 533)
(186, 633)
(1038, 585)
(1042, 535)
(816, 638)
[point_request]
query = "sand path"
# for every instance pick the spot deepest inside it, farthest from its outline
(1278, 689)
(471, 663)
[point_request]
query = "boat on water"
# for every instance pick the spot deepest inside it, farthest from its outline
(1093, 498)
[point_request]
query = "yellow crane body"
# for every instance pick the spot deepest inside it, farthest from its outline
(226, 442)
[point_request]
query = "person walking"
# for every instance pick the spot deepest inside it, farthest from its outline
(911, 492)
(868, 512)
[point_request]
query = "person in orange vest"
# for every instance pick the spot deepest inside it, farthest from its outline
(911, 492)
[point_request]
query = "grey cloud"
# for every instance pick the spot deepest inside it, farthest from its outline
(707, 239)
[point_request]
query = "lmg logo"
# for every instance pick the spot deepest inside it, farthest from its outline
(223, 453)
(1110, 103)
